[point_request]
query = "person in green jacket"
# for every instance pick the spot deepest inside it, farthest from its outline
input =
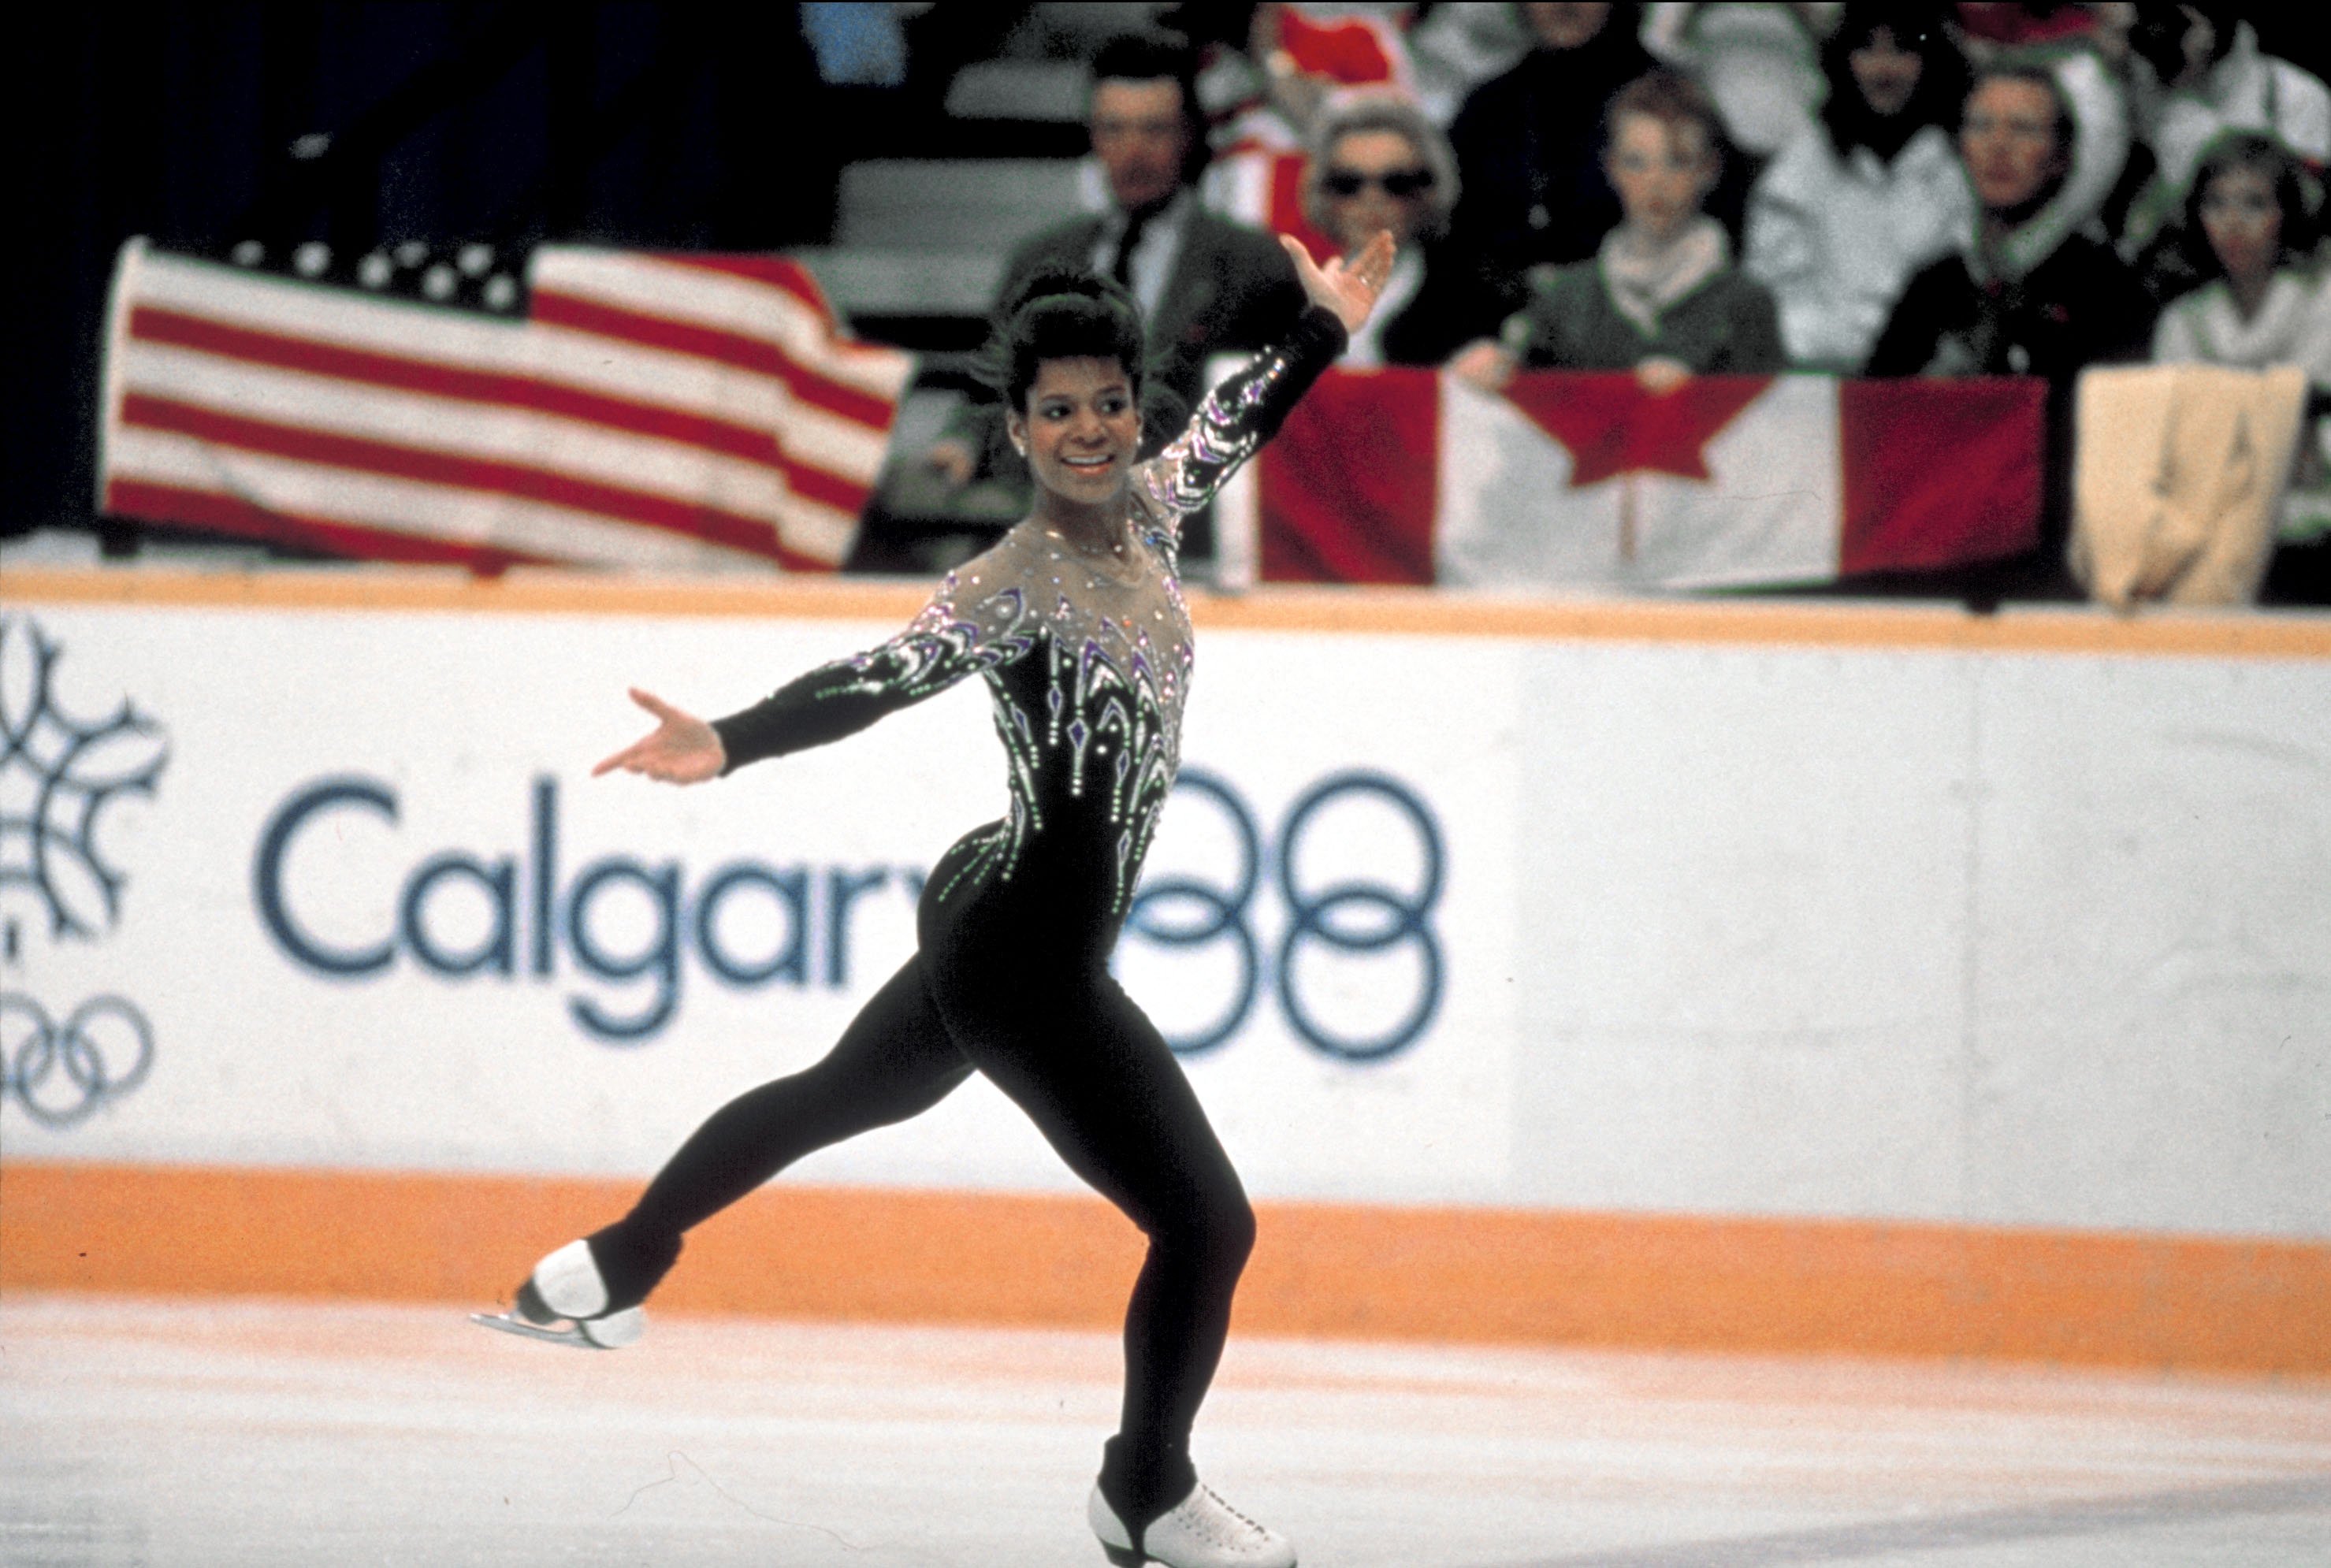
(1661, 296)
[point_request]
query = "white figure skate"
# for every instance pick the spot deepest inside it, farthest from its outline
(1202, 1531)
(565, 1302)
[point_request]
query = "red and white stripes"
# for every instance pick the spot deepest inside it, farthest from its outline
(653, 412)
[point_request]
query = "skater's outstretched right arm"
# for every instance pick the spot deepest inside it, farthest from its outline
(976, 622)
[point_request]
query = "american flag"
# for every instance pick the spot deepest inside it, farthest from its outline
(645, 411)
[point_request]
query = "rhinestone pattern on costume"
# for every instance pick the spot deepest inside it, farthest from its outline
(1089, 670)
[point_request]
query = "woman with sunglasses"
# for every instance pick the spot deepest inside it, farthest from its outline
(1076, 622)
(1377, 165)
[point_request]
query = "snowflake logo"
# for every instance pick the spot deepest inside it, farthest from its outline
(57, 776)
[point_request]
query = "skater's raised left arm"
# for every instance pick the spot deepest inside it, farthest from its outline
(1250, 404)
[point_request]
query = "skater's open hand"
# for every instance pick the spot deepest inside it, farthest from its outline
(1347, 288)
(682, 748)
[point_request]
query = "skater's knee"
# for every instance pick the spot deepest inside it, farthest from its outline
(1236, 1224)
(1220, 1230)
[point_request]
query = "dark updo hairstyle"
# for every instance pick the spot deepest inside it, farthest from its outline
(2283, 172)
(1064, 313)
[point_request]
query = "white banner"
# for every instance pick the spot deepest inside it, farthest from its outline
(364, 908)
(2007, 933)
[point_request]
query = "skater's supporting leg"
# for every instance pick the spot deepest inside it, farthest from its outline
(895, 1061)
(1102, 1086)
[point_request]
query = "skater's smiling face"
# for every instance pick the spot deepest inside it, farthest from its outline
(1081, 427)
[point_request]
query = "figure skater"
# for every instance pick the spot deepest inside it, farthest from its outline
(1076, 619)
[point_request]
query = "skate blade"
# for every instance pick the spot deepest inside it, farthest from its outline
(504, 1322)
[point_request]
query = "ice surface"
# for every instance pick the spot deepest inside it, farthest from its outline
(330, 1433)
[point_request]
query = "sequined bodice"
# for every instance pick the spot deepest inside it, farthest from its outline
(1089, 666)
(1089, 699)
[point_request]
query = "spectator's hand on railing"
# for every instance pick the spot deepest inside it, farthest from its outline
(1487, 365)
(1660, 376)
(952, 459)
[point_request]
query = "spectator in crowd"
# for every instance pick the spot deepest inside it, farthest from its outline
(2004, 306)
(1378, 164)
(2211, 78)
(1528, 143)
(1206, 285)
(1870, 192)
(1264, 87)
(2249, 227)
(1991, 309)
(1455, 48)
(1661, 296)
(1265, 91)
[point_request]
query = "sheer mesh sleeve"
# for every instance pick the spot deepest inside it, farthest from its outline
(977, 621)
(1238, 416)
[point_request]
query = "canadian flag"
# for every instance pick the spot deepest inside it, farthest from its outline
(1594, 481)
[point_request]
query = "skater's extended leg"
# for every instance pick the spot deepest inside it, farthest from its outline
(895, 1061)
(1101, 1084)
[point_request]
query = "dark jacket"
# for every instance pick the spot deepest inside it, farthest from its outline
(1530, 142)
(1458, 303)
(2080, 307)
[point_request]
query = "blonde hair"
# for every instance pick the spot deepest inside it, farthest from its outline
(1361, 111)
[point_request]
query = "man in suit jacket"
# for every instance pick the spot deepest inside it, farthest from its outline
(1207, 286)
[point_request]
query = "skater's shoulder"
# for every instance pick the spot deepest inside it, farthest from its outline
(995, 585)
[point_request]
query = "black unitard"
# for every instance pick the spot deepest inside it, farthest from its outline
(1089, 672)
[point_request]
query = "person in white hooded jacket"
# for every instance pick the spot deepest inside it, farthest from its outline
(1870, 191)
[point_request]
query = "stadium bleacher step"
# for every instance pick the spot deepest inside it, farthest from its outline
(919, 244)
(865, 282)
(1052, 91)
(953, 203)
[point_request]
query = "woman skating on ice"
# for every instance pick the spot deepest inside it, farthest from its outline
(1076, 621)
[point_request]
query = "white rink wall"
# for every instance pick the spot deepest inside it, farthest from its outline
(1747, 928)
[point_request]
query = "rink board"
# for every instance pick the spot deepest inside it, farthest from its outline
(1754, 976)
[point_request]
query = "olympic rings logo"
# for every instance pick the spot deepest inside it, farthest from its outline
(1346, 917)
(61, 1072)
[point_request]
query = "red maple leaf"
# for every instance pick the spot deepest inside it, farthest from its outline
(1609, 424)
